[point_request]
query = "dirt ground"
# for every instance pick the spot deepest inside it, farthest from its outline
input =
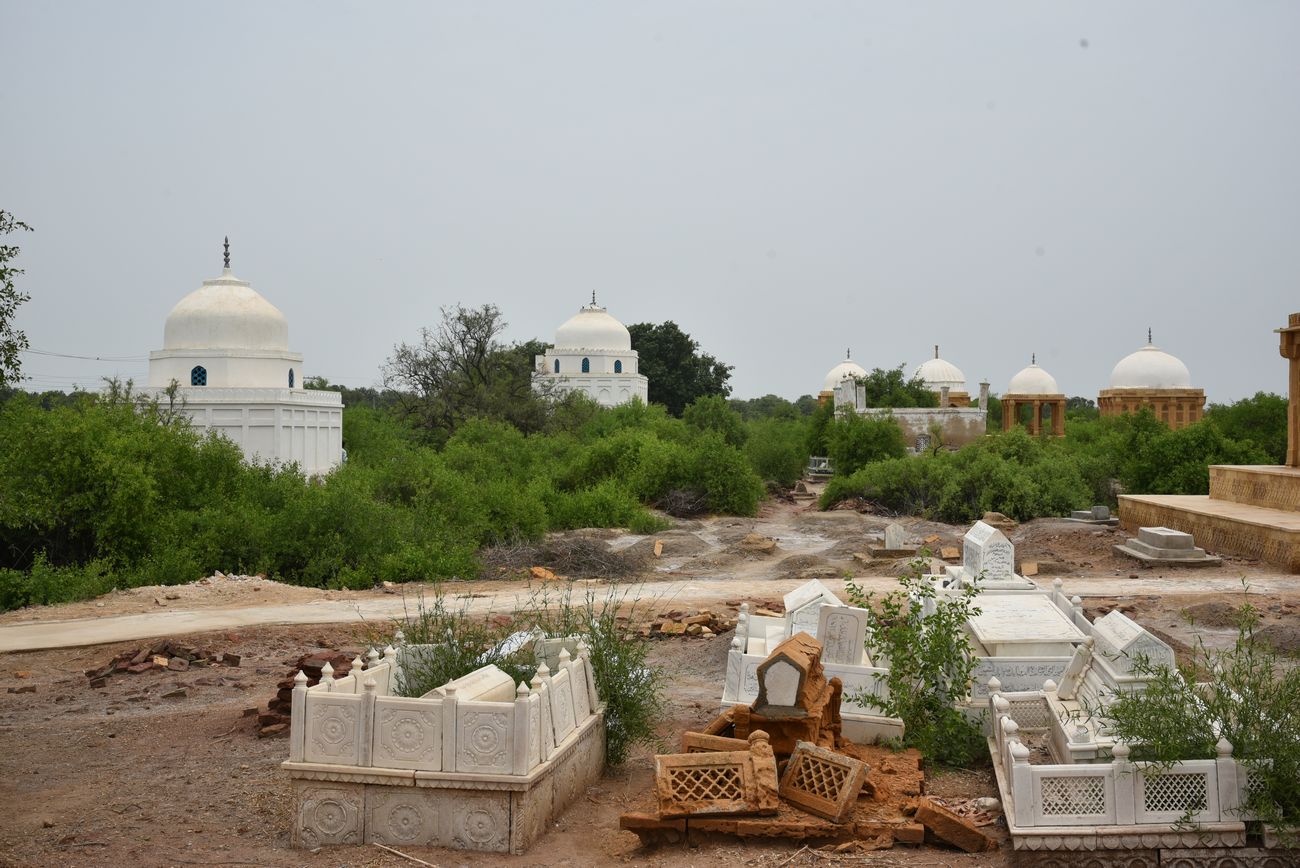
(122, 776)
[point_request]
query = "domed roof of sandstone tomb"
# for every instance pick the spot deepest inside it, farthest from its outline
(225, 314)
(1033, 380)
(1150, 368)
(937, 373)
(592, 328)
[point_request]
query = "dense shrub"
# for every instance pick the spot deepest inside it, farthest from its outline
(104, 492)
(854, 441)
(776, 449)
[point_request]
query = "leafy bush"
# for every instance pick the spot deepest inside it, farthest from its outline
(1010, 473)
(713, 413)
(631, 689)
(854, 441)
(776, 449)
(1252, 699)
(930, 665)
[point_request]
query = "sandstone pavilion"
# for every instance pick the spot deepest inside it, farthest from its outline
(1251, 510)
(227, 348)
(1153, 378)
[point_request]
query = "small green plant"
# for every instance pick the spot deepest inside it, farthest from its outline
(630, 687)
(1251, 698)
(920, 635)
(452, 643)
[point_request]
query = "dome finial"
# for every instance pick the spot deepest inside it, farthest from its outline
(1148, 334)
(1033, 358)
(848, 353)
(936, 351)
(226, 247)
(593, 298)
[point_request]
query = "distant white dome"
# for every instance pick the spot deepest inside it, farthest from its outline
(837, 374)
(225, 314)
(592, 328)
(1033, 380)
(937, 373)
(1150, 368)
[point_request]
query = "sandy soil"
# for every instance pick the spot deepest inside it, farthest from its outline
(121, 776)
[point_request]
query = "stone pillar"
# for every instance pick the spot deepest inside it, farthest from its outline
(1290, 350)
(943, 397)
(1058, 418)
(984, 396)
(1008, 412)
(1036, 420)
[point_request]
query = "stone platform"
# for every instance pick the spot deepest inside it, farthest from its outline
(1163, 546)
(1253, 511)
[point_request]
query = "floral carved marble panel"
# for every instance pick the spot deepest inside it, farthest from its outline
(408, 734)
(482, 738)
(332, 730)
(328, 815)
(481, 822)
(397, 816)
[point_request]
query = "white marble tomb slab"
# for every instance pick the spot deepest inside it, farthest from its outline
(1021, 625)
(1121, 640)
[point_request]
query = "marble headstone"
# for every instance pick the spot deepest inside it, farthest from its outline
(987, 551)
(895, 537)
(803, 606)
(842, 630)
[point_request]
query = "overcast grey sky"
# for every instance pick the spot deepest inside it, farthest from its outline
(783, 180)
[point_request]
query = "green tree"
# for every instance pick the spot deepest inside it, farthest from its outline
(820, 423)
(1261, 420)
(711, 413)
(855, 441)
(461, 370)
(12, 340)
(766, 407)
(676, 368)
(891, 388)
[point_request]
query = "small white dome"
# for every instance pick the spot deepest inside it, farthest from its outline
(225, 314)
(937, 373)
(1033, 380)
(592, 328)
(1150, 368)
(837, 374)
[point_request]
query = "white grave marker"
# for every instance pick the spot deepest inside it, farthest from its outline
(986, 550)
(842, 630)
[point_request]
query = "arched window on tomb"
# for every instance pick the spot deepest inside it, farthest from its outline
(557, 366)
(586, 366)
(198, 376)
(291, 378)
(618, 366)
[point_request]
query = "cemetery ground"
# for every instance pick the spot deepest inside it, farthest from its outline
(120, 775)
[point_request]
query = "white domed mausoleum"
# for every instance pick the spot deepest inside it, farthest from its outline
(1153, 378)
(592, 354)
(227, 348)
(847, 369)
(938, 374)
(1035, 389)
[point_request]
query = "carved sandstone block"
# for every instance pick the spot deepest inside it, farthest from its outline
(790, 679)
(699, 742)
(721, 783)
(823, 782)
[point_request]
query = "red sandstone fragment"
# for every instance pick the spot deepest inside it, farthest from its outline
(949, 827)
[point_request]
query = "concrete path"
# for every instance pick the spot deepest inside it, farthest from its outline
(654, 596)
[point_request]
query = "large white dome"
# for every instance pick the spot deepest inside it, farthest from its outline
(837, 374)
(592, 328)
(1150, 368)
(937, 373)
(1033, 380)
(225, 314)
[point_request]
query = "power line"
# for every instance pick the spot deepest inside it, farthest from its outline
(88, 358)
